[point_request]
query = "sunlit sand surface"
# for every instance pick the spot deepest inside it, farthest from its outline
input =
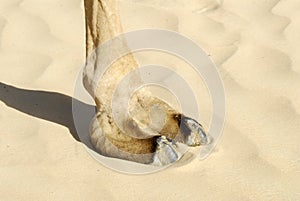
(255, 45)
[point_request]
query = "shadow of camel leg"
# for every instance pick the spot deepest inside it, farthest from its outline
(50, 106)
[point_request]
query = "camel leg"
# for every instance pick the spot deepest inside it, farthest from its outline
(131, 143)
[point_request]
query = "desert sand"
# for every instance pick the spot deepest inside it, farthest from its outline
(255, 45)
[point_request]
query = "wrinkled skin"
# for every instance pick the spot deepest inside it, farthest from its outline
(137, 140)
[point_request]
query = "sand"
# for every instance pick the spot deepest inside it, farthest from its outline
(255, 45)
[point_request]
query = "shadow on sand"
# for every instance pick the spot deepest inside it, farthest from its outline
(50, 106)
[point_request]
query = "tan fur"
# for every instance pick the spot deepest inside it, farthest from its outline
(103, 23)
